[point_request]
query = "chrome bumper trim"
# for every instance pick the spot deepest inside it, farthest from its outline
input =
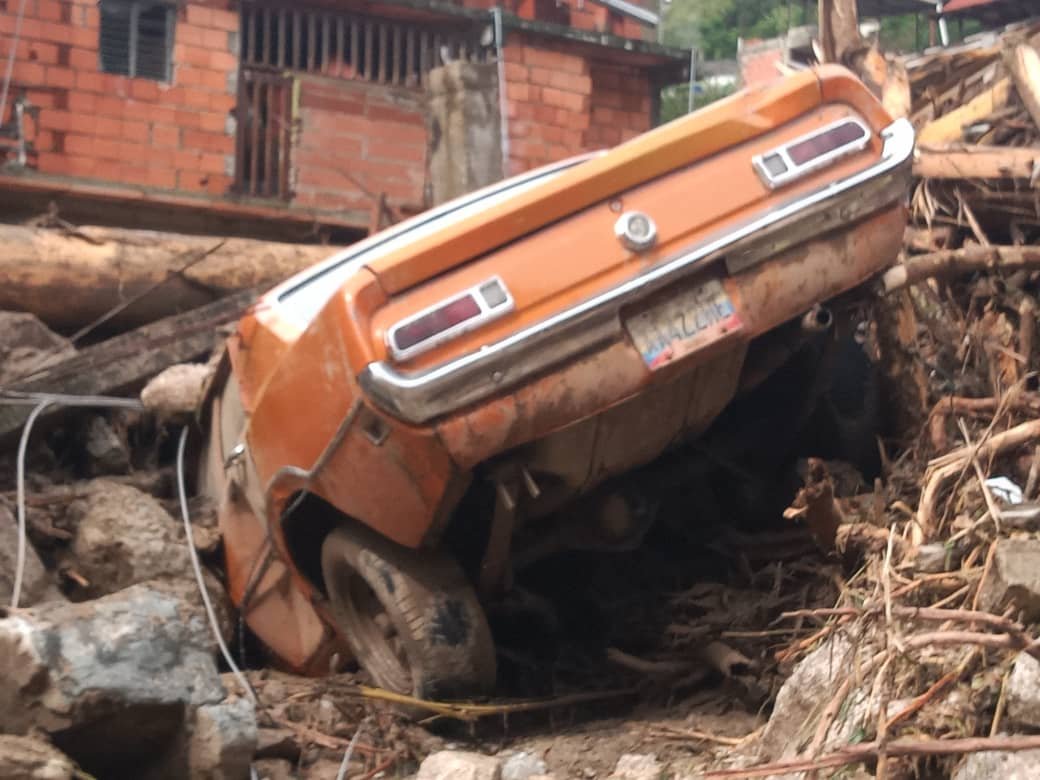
(421, 396)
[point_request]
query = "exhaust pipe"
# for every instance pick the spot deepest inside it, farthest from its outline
(817, 319)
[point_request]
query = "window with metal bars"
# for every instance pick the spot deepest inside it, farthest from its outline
(352, 46)
(137, 38)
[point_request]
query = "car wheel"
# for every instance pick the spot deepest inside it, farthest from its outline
(411, 617)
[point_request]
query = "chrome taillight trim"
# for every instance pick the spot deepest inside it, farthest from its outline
(418, 397)
(488, 313)
(795, 171)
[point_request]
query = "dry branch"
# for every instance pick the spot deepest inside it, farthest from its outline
(855, 754)
(954, 262)
(958, 460)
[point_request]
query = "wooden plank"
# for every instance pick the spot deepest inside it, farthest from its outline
(124, 363)
(949, 128)
(982, 162)
(1024, 64)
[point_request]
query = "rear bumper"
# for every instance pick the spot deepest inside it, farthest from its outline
(422, 396)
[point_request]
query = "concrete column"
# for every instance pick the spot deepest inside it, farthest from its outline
(464, 135)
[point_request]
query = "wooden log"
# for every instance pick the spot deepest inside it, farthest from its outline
(949, 128)
(976, 162)
(954, 262)
(69, 278)
(125, 362)
(1024, 64)
(839, 30)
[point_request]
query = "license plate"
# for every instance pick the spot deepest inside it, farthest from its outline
(683, 324)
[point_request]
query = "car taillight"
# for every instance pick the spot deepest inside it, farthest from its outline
(811, 152)
(459, 314)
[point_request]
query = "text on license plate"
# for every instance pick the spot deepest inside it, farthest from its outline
(683, 324)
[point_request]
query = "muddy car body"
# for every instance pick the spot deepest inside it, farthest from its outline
(388, 425)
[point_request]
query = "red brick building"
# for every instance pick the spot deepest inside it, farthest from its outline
(269, 116)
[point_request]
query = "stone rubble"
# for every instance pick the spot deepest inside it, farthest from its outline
(136, 667)
(460, 765)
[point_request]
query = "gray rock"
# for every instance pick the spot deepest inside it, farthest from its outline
(177, 391)
(523, 766)
(1014, 579)
(932, 558)
(1023, 765)
(1023, 691)
(809, 687)
(274, 769)
(26, 758)
(27, 345)
(223, 740)
(127, 669)
(459, 765)
(123, 537)
(37, 585)
(635, 766)
(109, 453)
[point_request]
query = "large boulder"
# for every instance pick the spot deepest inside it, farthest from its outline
(37, 585)
(124, 537)
(135, 668)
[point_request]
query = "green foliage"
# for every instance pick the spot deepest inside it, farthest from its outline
(713, 26)
(675, 100)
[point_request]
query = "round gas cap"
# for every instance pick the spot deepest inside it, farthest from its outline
(636, 231)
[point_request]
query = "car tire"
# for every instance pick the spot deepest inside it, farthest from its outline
(411, 617)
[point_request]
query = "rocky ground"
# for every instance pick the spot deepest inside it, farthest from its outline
(884, 630)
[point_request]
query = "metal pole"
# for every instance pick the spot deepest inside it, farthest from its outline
(503, 104)
(693, 79)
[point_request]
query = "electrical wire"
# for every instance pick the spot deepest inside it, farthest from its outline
(193, 553)
(342, 773)
(20, 398)
(10, 58)
(23, 445)
(42, 402)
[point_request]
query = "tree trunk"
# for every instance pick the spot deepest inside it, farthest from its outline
(1024, 64)
(978, 162)
(73, 277)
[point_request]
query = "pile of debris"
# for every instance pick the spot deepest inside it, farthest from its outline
(927, 663)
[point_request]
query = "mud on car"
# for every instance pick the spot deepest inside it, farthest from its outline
(395, 432)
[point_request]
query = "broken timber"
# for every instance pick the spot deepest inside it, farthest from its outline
(977, 162)
(71, 277)
(126, 361)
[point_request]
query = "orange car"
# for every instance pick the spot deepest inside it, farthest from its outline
(387, 426)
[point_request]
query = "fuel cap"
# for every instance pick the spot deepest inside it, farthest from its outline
(636, 231)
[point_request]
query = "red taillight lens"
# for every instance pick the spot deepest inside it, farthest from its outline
(841, 135)
(438, 321)
(811, 152)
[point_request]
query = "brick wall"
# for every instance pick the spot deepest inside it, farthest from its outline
(560, 104)
(376, 134)
(620, 105)
(760, 60)
(134, 131)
